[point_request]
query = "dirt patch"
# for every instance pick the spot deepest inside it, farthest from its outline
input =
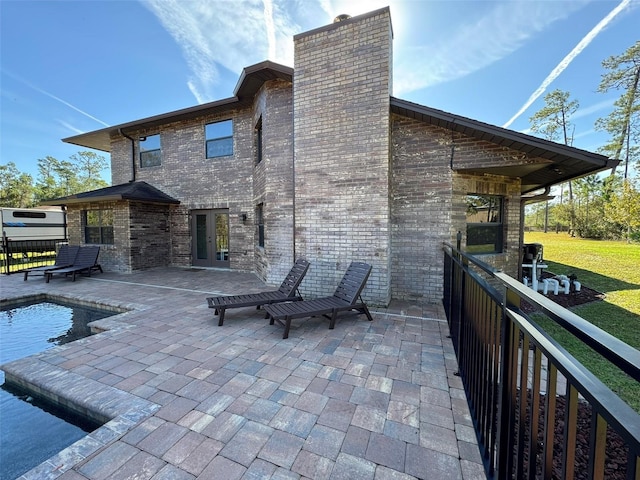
(567, 300)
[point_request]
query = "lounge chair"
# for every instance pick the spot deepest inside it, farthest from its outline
(86, 261)
(345, 298)
(287, 292)
(65, 257)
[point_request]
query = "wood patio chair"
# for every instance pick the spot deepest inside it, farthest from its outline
(288, 292)
(86, 261)
(345, 298)
(65, 257)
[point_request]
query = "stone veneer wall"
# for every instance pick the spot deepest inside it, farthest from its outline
(341, 102)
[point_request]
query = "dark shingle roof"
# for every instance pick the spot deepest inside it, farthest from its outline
(136, 191)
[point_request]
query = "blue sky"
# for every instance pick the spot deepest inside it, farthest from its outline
(69, 67)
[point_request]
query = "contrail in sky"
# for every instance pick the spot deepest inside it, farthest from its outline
(566, 61)
(70, 106)
(58, 99)
(270, 28)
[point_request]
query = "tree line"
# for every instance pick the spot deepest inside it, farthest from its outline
(56, 178)
(598, 206)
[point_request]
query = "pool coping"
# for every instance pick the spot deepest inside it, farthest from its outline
(118, 411)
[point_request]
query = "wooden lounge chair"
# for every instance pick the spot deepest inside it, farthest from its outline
(345, 298)
(287, 292)
(86, 262)
(65, 257)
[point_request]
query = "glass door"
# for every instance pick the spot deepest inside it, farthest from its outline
(210, 234)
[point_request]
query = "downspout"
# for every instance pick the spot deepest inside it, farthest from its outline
(133, 155)
(293, 173)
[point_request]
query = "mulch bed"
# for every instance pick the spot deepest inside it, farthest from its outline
(572, 299)
(616, 450)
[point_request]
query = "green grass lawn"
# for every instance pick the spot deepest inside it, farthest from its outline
(612, 268)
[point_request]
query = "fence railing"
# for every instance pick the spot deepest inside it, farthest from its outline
(16, 256)
(538, 412)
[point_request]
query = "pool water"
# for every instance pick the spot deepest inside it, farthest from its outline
(32, 430)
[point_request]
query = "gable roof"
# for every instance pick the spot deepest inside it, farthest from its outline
(557, 163)
(136, 191)
(250, 81)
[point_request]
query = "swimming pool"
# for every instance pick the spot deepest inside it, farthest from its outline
(33, 429)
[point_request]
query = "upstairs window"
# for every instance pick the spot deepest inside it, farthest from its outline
(484, 224)
(260, 223)
(219, 137)
(150, 152)
(258, 134)
(98, 226)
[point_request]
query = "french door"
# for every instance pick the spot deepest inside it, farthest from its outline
(210, 234)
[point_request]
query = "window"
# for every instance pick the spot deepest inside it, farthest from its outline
(258, 134)
(98, 226)
(219, 137)
(260, 224)
(150, 152)
(484, 224)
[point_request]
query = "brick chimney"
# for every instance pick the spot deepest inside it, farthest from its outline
(341, 90)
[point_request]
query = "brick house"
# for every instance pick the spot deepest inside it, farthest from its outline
(321, 162)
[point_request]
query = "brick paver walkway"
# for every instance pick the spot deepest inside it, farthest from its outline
(185, 399)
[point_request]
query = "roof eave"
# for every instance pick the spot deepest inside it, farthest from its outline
(250, 81)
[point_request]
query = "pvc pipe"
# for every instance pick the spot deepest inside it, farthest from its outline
(553, 283)
(566, 286)
(577, 284)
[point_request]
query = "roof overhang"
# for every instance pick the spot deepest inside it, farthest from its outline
(543, 163)
(132, 191)
(250, 81)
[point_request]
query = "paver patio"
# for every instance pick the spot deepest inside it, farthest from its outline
(185, 399)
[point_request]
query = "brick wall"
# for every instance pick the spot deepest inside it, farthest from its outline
(199, 182)
(428, 203)
(149, 230)
(420, 208)
(341, 104)
(273, 181)
(116, 257)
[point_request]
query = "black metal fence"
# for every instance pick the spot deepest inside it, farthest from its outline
(538, 412)
(16, 256)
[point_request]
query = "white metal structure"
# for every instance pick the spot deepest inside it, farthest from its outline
(28, 224)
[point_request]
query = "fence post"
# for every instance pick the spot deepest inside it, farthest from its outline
(504, 462)
(5, 250)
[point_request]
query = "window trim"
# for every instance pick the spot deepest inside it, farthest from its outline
(497, 227)
(214, 140)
